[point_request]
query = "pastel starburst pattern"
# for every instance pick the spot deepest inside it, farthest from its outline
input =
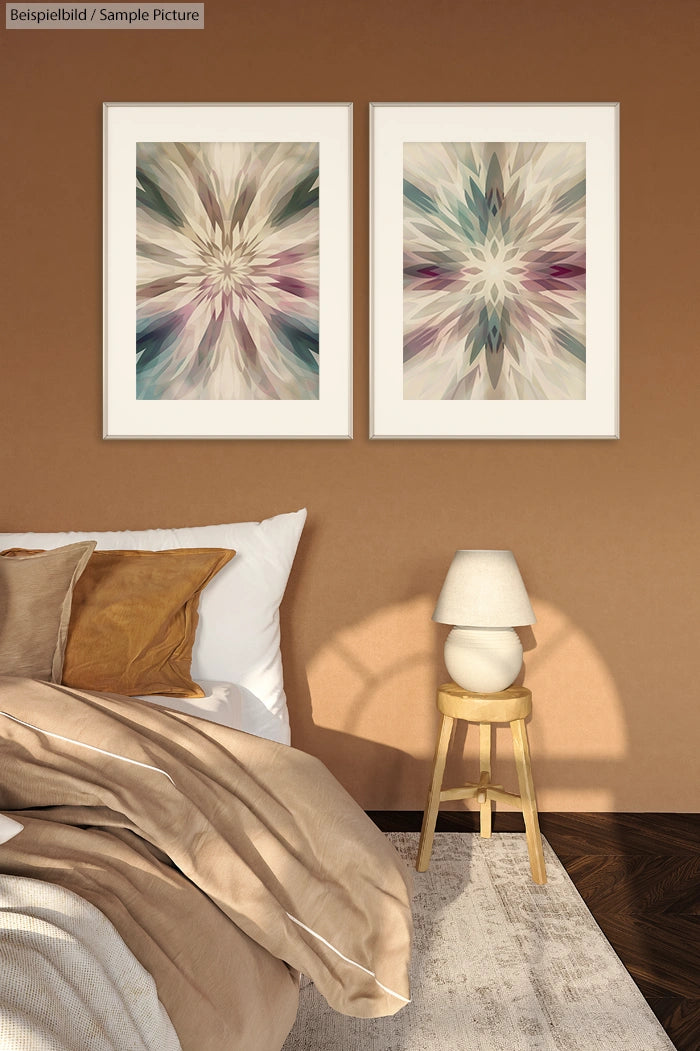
(227, 271)
(494, 271)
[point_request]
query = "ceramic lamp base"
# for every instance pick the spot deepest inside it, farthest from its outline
(484, 660)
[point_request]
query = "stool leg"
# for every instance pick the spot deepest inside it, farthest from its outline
(521, 750)
(425, 846)
(485, 768)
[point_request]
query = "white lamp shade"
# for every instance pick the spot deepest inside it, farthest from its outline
(484, 589)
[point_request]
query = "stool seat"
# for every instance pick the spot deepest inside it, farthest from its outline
(511, 706)
(503, 707)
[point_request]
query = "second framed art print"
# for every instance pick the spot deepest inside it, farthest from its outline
(227, 269)
(494, 270)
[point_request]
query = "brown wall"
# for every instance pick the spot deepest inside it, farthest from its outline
(606, 532)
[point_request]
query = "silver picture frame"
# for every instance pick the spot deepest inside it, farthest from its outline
(238, 319)
(494, 270)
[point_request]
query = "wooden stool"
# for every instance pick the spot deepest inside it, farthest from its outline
(510, 706)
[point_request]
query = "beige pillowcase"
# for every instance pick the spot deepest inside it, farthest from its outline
(134, 619)
(36, 591)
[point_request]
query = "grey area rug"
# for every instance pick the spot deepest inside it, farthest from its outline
(499, 964)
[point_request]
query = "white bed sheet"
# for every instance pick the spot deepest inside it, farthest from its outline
(229, 704)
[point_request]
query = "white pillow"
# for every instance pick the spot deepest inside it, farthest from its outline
(238, 636)
(8, 828)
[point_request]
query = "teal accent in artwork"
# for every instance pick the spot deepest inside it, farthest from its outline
(303, 196)
(420, 199)
(478, 205)
(301, 340)
(570, 198)
(569, 342)
(149, 195)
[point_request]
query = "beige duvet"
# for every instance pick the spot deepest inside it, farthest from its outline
(226, 862)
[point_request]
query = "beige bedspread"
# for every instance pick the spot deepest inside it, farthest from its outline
(152, 815)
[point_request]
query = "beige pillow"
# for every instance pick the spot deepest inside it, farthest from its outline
(134, 618)
(35, 604)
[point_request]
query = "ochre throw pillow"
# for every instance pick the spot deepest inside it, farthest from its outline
(35, 607)
(134, 618)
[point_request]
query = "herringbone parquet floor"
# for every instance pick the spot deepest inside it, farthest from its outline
(639, 874)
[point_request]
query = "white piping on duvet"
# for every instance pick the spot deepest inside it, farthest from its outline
(92, 747)
(347, 958)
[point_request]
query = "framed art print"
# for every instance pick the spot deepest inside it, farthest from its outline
(494, 271)
(227, 270)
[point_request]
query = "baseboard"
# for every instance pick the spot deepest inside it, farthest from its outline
(447, 821)
(663, 825)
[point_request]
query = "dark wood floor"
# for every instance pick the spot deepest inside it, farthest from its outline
(639, 874)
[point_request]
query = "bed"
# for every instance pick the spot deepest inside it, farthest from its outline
(170, 865)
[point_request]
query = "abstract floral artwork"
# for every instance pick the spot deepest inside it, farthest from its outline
(494, 270)
(227, 270)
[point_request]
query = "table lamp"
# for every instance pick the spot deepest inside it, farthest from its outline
(484, 598)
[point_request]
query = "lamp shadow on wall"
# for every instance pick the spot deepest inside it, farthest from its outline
(370, 694)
